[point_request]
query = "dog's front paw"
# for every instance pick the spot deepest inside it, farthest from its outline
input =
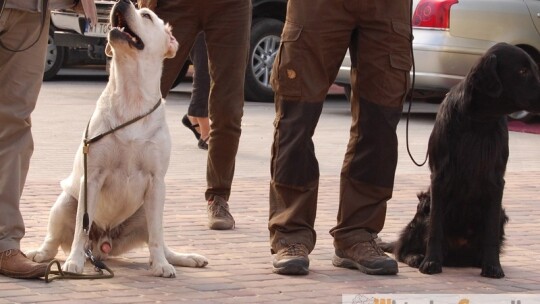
(492, 271)
(414, 260)
(74, 264)
(40, 256)
(165, 270)
(430, 267)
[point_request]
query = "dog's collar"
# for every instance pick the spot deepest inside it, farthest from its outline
(86, 148)
(88, 141)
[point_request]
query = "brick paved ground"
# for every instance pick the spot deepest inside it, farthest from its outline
(240, 262)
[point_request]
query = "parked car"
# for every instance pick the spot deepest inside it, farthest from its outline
(71, 32)
(58, 57)
(451, 35)
(73, 42)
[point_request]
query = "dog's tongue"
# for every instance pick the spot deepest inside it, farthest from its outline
(106, 247)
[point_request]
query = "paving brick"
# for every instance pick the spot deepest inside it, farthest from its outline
(239, 268)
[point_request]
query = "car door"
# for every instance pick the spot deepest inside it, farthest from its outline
(534, 9)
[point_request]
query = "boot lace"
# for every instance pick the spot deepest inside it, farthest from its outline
(11, 252)
(219, 208)
(296, 249)
(374, 249)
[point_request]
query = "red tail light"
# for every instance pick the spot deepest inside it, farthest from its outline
(433, 13)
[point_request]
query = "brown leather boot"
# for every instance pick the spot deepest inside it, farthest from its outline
(291, 260)
(219, 217)
(367, 257)
(14, 264)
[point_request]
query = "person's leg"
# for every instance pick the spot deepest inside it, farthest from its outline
(227, 26)
(313, 43)
(21, 76)
(381, 57)
(183, 16)
(198, 107)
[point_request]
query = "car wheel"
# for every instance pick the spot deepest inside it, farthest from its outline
(264, 45)
(54, 57)
(523, 116)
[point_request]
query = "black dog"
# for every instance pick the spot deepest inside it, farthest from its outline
(463, 237)
(460, 220)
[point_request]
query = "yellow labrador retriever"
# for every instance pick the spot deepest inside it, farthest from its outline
(123, 205)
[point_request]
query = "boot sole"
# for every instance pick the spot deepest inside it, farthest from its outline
(293, 267)
(221, 225)
(36, 273)
(350, 264)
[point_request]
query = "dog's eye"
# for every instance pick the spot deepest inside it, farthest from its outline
(524, 72)
(147, 16)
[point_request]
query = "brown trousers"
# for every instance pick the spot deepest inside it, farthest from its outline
(314, 41)
(226, 24)
(21, 75)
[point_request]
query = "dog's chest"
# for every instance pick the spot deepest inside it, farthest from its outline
(130, 163)
(130, 154)
(481, 155)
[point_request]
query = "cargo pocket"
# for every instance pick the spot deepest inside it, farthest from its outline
(403, 30)
(286, 74)
(397, 80)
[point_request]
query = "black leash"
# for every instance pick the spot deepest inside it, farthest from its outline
(44, 8)
(411, 101)
(99, 266)
(86, 150)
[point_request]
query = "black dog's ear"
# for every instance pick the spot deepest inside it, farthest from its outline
(485, 77)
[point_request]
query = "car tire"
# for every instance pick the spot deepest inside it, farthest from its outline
(54, 58)
(264, 45)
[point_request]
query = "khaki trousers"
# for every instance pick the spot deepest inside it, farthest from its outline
(314, 41)
(226, 24)
(21, 75)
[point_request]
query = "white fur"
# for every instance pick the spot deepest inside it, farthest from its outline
(126, 169)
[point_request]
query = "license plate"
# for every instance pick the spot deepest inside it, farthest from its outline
(98, 30)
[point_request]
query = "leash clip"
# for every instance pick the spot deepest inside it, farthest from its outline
(97, 263)
(86, 147)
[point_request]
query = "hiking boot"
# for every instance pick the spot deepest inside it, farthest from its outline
(292, 260)
(367, 257)
(14, 264)
(219, 217)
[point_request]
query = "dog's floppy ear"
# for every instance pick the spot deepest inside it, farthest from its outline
(108, 50)
(485, 77)
(172, 46)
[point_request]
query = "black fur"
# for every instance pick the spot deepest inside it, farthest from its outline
(460, 220)
(461, 245)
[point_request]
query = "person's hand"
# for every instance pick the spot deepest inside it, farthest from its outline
(88, 8)
(151, 4)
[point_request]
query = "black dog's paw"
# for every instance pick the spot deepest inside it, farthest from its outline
(430, 267)
(492, 271)
(414, 260)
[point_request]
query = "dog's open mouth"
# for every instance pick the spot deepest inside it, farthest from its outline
(122, 30)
